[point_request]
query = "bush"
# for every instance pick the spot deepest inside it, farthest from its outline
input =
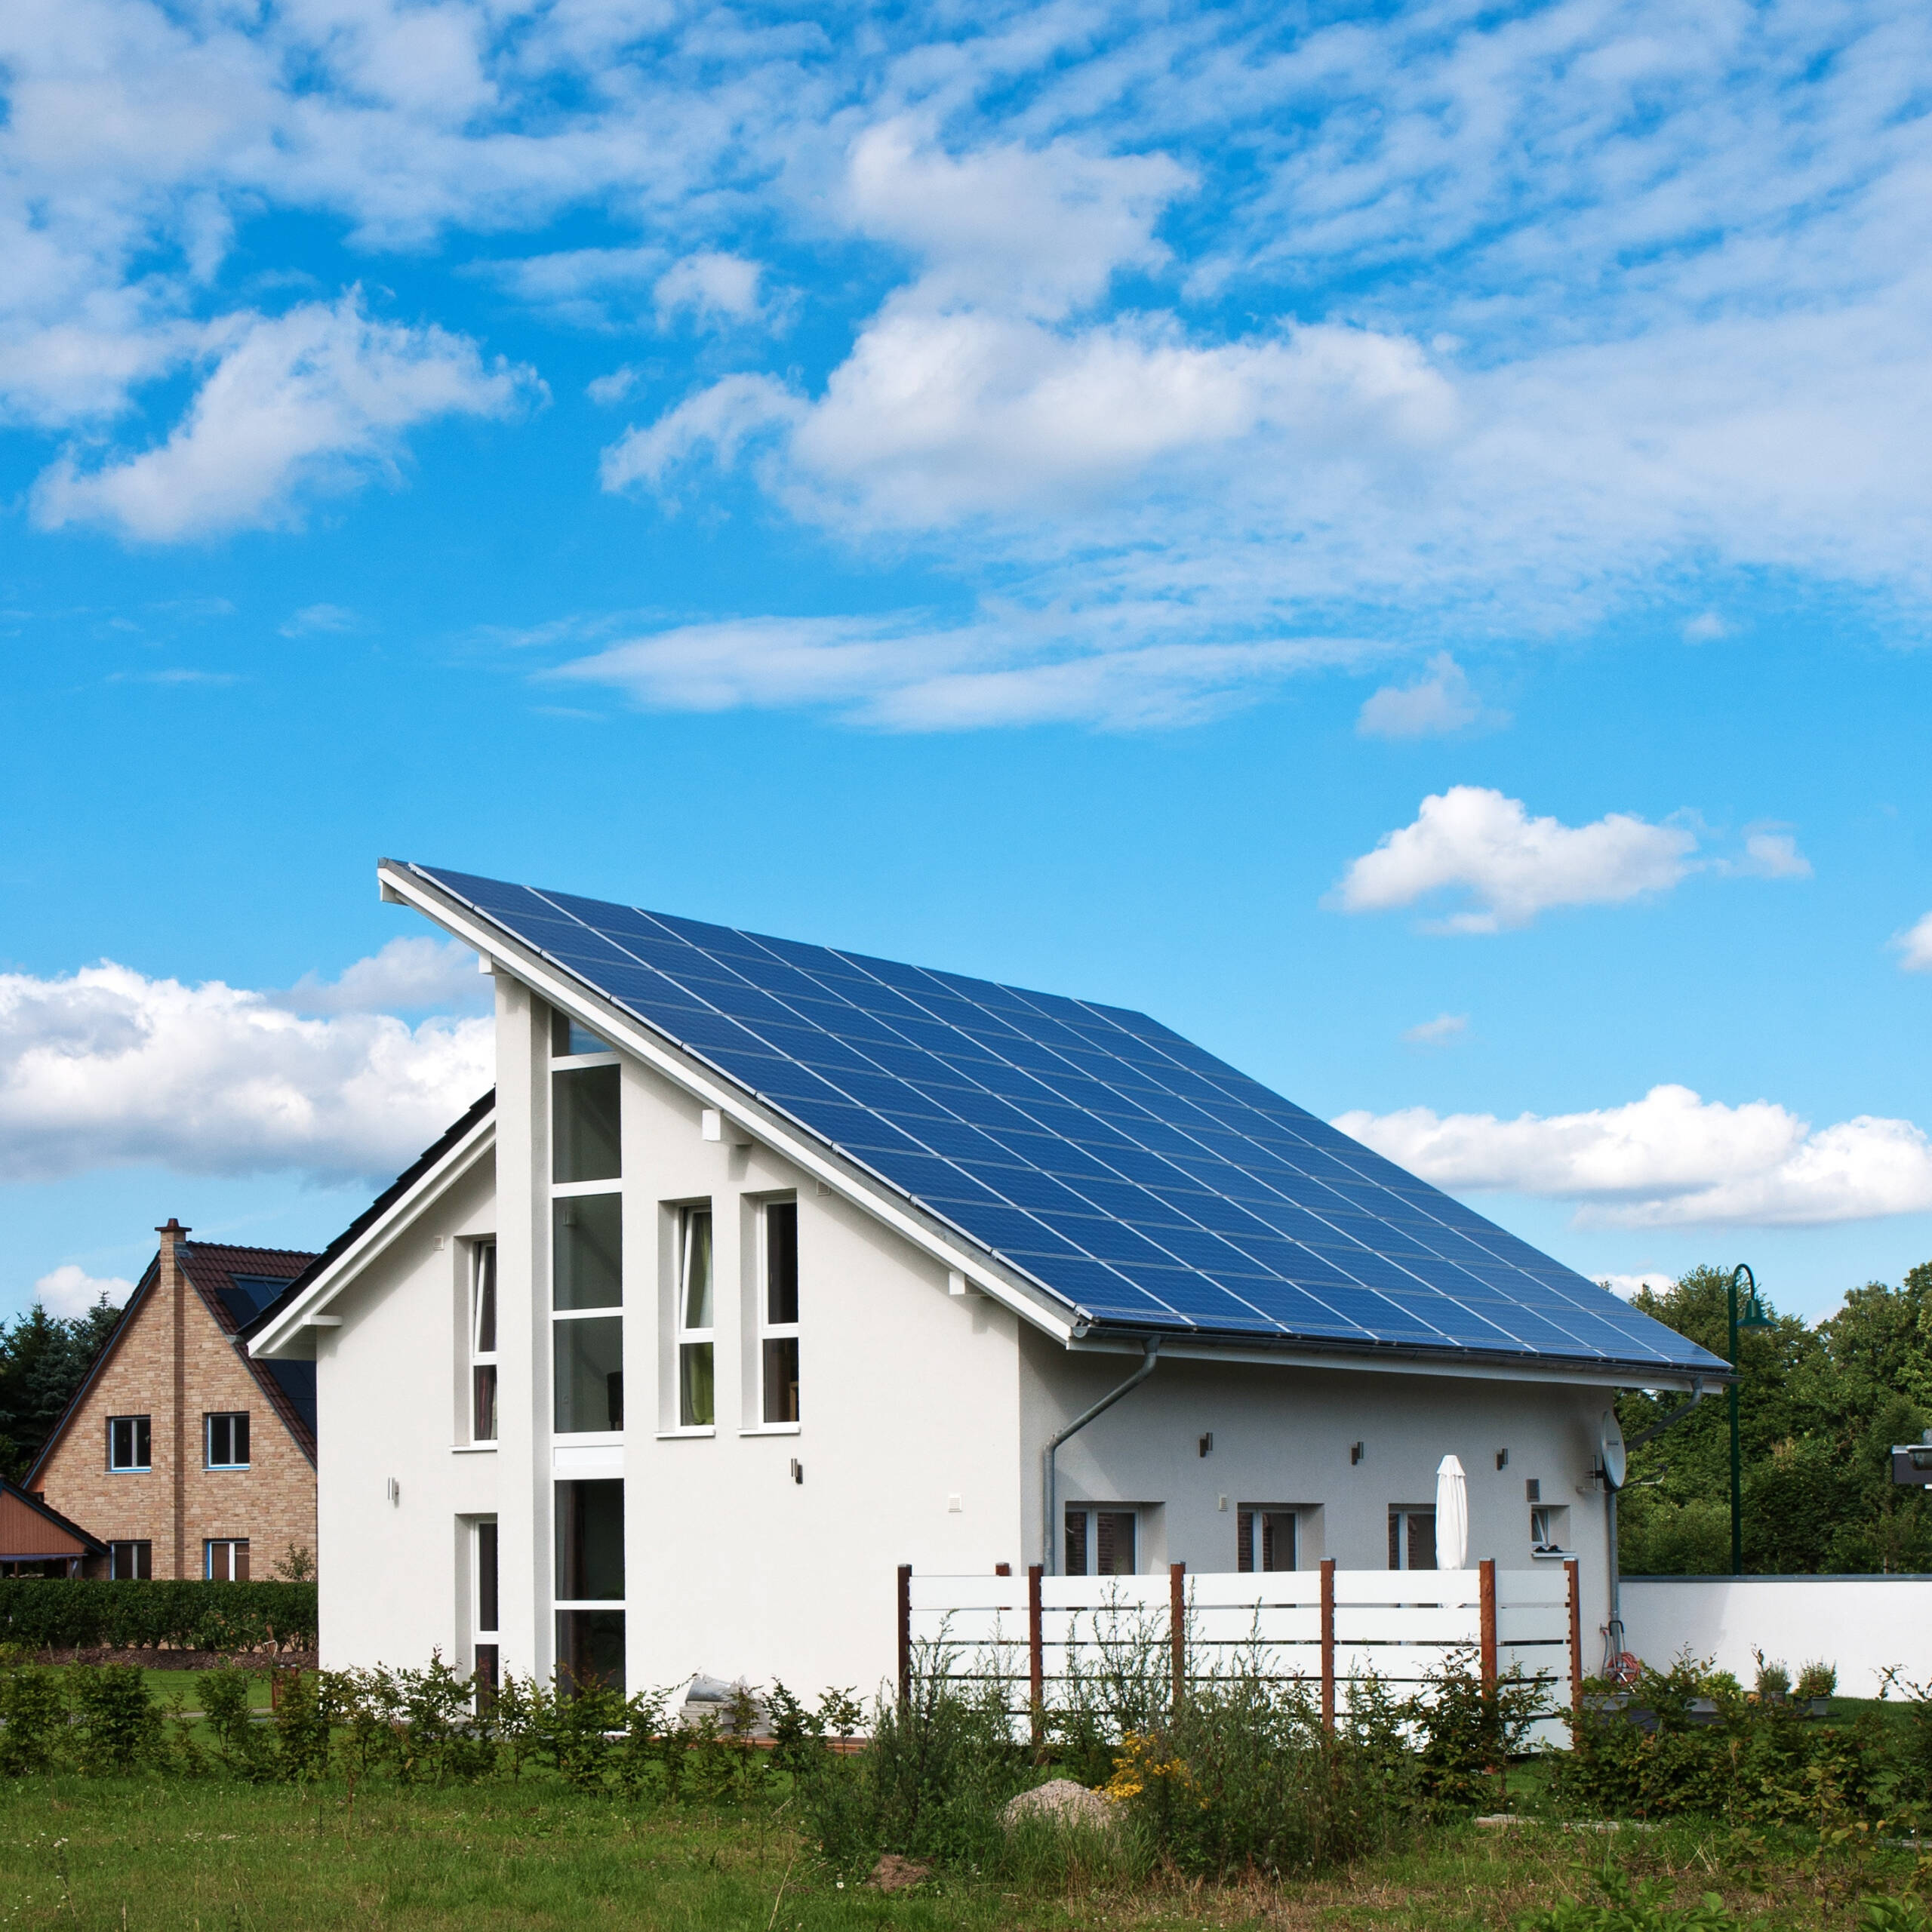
(118, 1725)
(40, 1613)
(33, 1717)
(1816, 1679)
(1753, 1759)
(931, 1783)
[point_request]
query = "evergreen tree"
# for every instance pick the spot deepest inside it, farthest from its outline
(44, 1358)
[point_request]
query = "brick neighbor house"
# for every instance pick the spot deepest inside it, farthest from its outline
(183, 1454)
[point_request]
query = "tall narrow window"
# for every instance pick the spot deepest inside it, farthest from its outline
(227, 1440)
(483, 1343)
(485, 1636)
(778, 1340)
(590, 1583)
(696, 1398)
(587, 1291)
(129, 1439)
(1265, 1538)
(586, 1236)
(130, 1562)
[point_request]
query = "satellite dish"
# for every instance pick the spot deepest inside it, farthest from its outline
(1610, 1446)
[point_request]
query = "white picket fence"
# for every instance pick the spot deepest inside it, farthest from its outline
(1399, 1626)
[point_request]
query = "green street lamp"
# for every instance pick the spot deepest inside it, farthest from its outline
(1753, 1316)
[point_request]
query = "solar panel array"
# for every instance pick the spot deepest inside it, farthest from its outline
(1138, 1178)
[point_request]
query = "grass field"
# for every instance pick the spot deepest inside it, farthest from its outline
(144, 1853)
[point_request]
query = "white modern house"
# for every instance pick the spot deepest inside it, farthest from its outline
(769, 1268)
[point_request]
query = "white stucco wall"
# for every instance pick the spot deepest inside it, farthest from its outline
(393, 1576)
(1859, 1624)
(924, 1418)
(1283, 1435)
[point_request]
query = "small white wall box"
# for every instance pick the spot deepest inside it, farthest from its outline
(1911, 1464)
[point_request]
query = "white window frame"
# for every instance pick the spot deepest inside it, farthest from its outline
(137, 1467)
(484, 1278)
(683, 1335)
(481, 1636)
(1549, 1522)
(230, 1416)
(209, 1546)
(1257, 1534)
(765, 1329)
(1400, 1513)
(1091, 1511)
(568, 1190)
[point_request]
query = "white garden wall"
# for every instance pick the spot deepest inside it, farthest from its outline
(1860, 1624)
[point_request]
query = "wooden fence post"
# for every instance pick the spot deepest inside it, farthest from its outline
(1328, 1643)
(1177, 1628)
(1036, 1652)
(904, 1633)
(1486, 1577)
(1576, 1636)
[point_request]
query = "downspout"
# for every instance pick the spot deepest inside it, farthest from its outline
(1050, 1472)
(1613, 1630)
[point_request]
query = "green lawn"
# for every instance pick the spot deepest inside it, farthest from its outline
(143, 1853)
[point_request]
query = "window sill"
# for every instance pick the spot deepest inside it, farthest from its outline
(473, 1448)
(146, 1469)
(684, 1435)
(226, 1469)
(772, 1429)
(1551, 1555)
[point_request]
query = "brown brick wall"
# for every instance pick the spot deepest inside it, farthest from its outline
(173, 1362)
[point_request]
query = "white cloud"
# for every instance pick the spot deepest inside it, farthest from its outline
(606, 390)
(709, 287)
(1707, 628)
(315, 399)
(105, 1068)
(1444, 1030)
(407, 975)
(1512, 866)
(1627, 1287)
(1436, 704)
(1914, 946)
(896, 673)
(70, 1291)
(313, 617)
(1772, 855)
(1670, 1160)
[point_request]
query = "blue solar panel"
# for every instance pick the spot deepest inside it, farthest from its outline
(1146, 1183)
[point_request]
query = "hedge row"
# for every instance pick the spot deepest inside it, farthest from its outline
(82, 1613)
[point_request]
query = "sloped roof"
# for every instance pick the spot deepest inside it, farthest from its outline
(1149, 1187)
(30, 1529)
(229, 1280)
(478, 1110)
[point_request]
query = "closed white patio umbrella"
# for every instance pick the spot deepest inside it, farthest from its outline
(1452, 1515)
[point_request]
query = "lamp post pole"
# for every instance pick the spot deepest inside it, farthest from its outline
(1754, 1316)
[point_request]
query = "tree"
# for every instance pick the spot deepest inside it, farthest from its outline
(44, 1359)
(1820, 1409)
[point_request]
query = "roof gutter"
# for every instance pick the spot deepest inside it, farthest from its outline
(1049, 1473)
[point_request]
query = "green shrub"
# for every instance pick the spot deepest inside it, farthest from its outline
(33, 1718)
(930, 1785)
(118, 1726)
(1816, 1679)
(1773, 1680)
(304, 1714)
(42, 1612)
(1624, 1907)
(245, 1749)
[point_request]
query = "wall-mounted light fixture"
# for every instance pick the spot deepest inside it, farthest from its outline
(1501, 1458)
(1207, 1443)
(1354, 1453)
(797, 1470)
(395, 1492)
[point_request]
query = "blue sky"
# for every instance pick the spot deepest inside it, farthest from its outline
(1393, 538)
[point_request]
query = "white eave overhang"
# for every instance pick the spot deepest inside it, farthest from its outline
(291, 1334)
(837, 1172)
